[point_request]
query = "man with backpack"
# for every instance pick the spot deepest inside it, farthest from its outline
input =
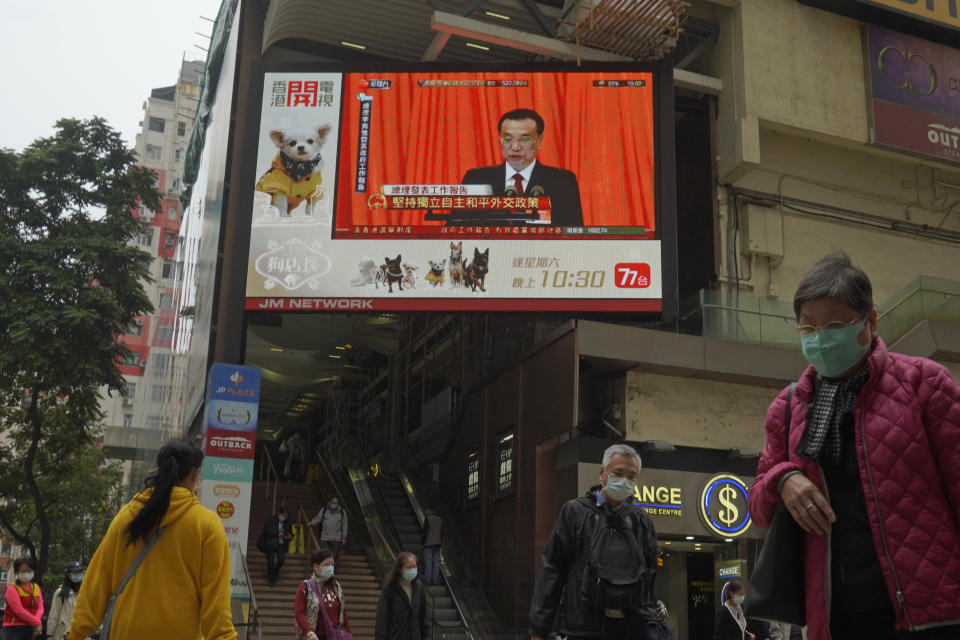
(598, 568)
(331, 523)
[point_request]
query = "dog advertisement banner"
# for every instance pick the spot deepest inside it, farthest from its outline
(456, 191)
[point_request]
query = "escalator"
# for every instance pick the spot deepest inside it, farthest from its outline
(447, 619)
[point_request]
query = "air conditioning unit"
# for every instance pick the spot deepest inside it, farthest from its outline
(128, 401)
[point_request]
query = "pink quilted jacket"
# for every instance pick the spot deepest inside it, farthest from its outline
(908, 449)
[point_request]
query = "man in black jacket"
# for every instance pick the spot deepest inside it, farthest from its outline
(558, 604)
(520, 133)
(273, 541)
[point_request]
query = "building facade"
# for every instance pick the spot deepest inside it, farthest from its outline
(783, 154)
(138, 419)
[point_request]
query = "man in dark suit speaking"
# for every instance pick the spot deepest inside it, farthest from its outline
(521, 136)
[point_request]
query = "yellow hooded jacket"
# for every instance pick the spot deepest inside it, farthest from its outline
(182, 588)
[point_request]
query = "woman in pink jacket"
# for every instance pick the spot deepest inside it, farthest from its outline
(871, 472)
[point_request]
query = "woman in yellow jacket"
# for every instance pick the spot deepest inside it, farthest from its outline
(182, 588)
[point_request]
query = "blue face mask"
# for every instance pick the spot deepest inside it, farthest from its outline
(326, 572)
(76, 578)
(409, 574)
(333, 506)
(619, 489)
(834, 351)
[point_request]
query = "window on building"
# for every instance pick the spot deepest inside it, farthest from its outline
(167, 270)
(131, 359)
(154, 152)
(136, 328)
(505, 460)
(169, 240)
(154, 422)
(176, 185)
(176, 155)
(131, 391)
(166, 301)
(181, 128)
(171, 213)
(156, 124)
(164, 332)
(473, 475)
(145, 237)
(146, 214)
(127, 420)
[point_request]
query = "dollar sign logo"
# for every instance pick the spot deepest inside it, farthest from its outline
(726, 497)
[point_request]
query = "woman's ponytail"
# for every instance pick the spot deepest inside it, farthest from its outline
(175, 461)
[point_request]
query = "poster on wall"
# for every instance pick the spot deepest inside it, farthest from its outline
(229, 440)
(474, 190)
(914, 94)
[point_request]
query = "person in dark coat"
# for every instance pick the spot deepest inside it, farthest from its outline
(402, 610)
(730, 623)
(557, 605)
(273, 541)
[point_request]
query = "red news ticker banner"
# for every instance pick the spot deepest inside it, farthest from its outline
(445, 304)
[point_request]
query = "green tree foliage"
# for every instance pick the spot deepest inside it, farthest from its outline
(70, 283)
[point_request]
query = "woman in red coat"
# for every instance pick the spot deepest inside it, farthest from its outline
(319, 605)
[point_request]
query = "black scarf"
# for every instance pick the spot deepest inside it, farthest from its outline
(299, 169)
(832, 402)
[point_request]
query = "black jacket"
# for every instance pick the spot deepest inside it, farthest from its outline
(400, 618)
(270, 536)
(556, 601)
(559, 184)
(726, 628)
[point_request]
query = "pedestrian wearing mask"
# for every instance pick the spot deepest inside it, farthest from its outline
(274, 541)
(597, 572)
(22, 619)
(63, 601)
(319, 606)
(332, 527)
(181, 588)
(731, 624)
(402, 610)
(871, 471)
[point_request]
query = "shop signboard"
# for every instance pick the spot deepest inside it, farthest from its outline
(914, 94)
(388, 189)
(226, 486)
(931, 19)
(688, 503)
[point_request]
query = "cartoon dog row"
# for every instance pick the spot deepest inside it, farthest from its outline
(394, 271)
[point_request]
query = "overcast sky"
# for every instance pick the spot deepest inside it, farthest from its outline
(66, 58)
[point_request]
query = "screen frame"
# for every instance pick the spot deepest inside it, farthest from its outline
(665, 182)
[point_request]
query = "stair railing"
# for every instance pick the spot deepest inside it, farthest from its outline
(253, 616)
(311, 543)
(272, 479)
(384, 550)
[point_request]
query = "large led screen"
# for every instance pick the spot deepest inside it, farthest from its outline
(467, 190)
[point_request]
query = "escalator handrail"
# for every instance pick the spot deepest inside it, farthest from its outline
(421, 517)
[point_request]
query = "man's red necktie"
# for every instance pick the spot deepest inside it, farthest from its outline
(518, 183)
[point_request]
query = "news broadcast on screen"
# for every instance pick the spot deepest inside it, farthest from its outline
(465, 190)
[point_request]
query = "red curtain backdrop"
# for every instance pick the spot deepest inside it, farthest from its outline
(433, 135)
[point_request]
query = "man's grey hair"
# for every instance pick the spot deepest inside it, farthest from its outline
(620, 450)
(834, 276)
